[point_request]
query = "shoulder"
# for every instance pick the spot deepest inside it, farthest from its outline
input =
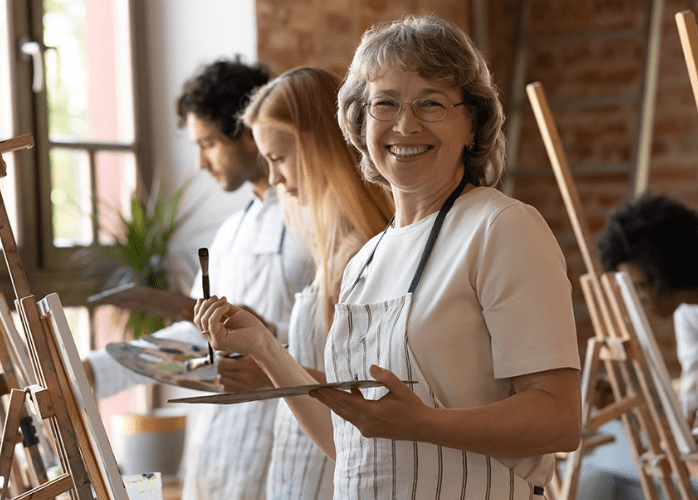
(686, 314)
(488, 209)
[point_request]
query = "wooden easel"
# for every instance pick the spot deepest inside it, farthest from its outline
(688, 33)
(53, 396)
(615, 348)
(36, 471)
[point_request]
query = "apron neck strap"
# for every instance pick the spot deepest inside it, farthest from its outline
(370, 257)
(435, 229)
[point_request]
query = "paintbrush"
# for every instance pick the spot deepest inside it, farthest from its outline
(203, 260)
(194, 363)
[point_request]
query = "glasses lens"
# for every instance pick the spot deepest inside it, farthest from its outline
(384, 108)
(429, 110)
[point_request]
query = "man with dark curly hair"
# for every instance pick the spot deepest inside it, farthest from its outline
(655, 240)
(254, 262)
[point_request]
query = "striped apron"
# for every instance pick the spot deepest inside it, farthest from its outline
(299, 470)
(230, 448)
(383, 469)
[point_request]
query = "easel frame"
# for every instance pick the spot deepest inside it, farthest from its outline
(616, 347)
(670, 403)
(57, 400)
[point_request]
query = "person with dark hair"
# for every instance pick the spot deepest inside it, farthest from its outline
(655, 240)
(461, 308)
(255, 261)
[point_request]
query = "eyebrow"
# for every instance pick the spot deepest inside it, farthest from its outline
(421, 94)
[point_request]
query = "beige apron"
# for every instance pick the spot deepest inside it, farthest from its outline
(231, 446)
(383, 469)
(299, 470)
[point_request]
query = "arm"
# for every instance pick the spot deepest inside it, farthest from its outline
(542, 416)
(244, 374)
(109, 377)
(686, 331)
(244, 333)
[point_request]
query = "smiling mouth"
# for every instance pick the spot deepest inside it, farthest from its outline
(407, 152)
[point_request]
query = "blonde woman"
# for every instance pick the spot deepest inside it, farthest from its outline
(293, 122)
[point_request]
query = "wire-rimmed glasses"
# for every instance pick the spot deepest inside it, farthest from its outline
(426, 108)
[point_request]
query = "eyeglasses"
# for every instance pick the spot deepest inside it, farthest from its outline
(427, 109)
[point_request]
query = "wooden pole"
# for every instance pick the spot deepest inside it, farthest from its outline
(688, 33)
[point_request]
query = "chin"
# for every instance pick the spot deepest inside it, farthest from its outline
(231, 186)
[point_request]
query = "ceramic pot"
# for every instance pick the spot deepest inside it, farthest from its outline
(148, 443)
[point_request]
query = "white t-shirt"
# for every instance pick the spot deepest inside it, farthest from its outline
(494, 301)
(686, 330)
(229, 446)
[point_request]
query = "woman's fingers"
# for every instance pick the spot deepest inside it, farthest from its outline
(386, 417)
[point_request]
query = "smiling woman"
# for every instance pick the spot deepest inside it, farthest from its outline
(465, 293)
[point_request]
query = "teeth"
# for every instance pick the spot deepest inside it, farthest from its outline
(412, 151)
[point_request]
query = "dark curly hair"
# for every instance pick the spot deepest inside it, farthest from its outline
(659, 234)
(219, 91)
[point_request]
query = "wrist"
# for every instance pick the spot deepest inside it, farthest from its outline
(266, 347)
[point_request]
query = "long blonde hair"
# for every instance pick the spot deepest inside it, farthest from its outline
(346, 211)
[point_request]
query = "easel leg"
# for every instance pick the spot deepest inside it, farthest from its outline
(573, 465)
(10, 436)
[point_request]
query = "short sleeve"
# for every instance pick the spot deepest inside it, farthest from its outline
(526, 295)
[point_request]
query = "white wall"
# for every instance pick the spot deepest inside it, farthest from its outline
(181, 36)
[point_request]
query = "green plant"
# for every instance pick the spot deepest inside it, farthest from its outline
(143, 248)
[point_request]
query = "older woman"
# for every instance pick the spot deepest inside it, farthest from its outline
(464, 294)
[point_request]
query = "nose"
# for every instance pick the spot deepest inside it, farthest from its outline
(275, 176)
(204, 164)
(407, 121)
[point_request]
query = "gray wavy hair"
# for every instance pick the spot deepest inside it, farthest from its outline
(439, 52)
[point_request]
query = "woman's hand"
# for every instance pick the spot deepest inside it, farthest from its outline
(227, 327)
(397, 415)
(241, 374)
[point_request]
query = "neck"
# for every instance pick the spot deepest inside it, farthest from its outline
(411, 207)
(688, 297)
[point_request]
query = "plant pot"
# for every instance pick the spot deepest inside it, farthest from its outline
(149, 442)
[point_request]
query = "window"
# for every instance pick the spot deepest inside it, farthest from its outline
(68, 76)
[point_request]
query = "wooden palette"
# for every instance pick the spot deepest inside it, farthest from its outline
(165, 360)
(278, 392)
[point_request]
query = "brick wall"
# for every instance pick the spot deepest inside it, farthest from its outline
(324, 33)
(596, 138)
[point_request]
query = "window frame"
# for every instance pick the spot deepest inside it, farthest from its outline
(48, 268)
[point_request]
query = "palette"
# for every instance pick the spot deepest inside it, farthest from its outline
(278, 392)
(165, 360)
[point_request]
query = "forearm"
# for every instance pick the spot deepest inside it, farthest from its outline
(108, 377)
(523, 425)
(283, 370)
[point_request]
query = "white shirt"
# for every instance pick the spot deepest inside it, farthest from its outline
(494, 301)
(228, 449)
(686, 330)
